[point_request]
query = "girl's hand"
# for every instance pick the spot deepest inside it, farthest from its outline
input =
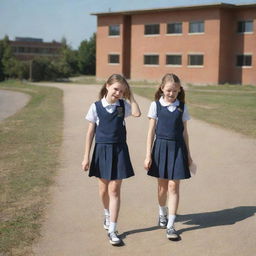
(147, 163)
(85, 165)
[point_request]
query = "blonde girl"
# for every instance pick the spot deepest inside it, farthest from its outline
(167, 154)
(110, 161)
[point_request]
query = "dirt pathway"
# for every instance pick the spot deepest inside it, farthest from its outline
(217, 206)
(11, 102)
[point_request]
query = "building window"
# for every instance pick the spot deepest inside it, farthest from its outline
(113, 58)
(151, 59)
(174, 28)
(114, 30)
(245, 26)
(173, 59)
(152, 29)
(244, 60)
(196, 27)
(195, 60)
(21, 49)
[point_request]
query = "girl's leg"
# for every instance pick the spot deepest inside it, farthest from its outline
(114, 196)
(173, 190)
(162, 197)
(162, 191)
(103, 191)
(114, 205)
(173, 202)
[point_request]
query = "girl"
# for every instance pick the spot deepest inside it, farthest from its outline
(170, 157)
(110, 161)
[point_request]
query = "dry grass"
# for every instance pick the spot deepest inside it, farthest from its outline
(31, 140)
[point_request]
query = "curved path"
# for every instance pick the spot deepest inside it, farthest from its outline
(217, 206)
(11, 102)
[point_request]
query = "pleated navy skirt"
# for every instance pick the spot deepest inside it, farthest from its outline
(111, 162)
(169, 160)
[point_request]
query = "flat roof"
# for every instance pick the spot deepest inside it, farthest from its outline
(173, 8)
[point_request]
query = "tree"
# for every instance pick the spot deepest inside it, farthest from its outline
(7, 60)
(1, 57)
(87, 56)
(68, 59)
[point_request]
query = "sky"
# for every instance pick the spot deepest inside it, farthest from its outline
(72, 19)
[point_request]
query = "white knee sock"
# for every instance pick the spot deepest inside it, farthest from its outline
(171, 219)
(112, 227)
(162, 210)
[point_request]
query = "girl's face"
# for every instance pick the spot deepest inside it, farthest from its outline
(115, 92)
(170, 91)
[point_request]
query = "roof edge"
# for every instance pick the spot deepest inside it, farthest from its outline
(129, 12)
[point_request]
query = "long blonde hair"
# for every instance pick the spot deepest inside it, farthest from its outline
(116, 78)
(169, 77)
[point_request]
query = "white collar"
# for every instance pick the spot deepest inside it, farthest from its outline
(165, 104)
(106, 104)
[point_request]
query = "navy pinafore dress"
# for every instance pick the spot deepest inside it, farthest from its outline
(111, 159)
(169, 153)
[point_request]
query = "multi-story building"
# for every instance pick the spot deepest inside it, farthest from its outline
(26, 48)
(206, 44)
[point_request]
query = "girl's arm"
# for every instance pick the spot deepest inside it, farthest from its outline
(150, 138)
(186, 139)
(88, 144)
(134, 106)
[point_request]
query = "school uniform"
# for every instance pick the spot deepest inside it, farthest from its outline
(169, 153)
(110, 159)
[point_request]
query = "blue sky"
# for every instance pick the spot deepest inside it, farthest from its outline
(55, 19)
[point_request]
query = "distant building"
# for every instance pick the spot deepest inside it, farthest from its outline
(27, 48)
(206, 44)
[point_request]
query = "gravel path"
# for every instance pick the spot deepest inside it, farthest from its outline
(11, 102)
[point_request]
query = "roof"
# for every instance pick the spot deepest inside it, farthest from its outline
(174, 8)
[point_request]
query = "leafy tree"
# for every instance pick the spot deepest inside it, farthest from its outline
(1, 57)
(87, 56)
(7, 59)
(68, 59)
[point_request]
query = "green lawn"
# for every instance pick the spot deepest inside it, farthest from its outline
(30, 141)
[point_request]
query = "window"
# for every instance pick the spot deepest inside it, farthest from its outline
(245, 26)
(173, 59)
(114, 30)
(196, 27)
(21, 49)
(151, 59)
(196, 60)
(152, 29)
(244, 60)
(113, 58)
(174, 28)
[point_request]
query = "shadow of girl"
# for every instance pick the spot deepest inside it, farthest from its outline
(217, 218)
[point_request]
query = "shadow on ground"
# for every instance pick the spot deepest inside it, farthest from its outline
(217, 218)
(140, 230)
(205, 220)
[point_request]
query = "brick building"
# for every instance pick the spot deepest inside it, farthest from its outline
(206, 44)
(27, 48)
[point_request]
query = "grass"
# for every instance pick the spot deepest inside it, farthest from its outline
(228, 106)
(87, 79)
(30, 142)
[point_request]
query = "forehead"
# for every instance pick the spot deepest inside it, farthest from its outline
(118, 85)
(171, 86)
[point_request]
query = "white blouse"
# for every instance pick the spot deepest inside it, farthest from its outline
(152, 113)
(92, 115)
